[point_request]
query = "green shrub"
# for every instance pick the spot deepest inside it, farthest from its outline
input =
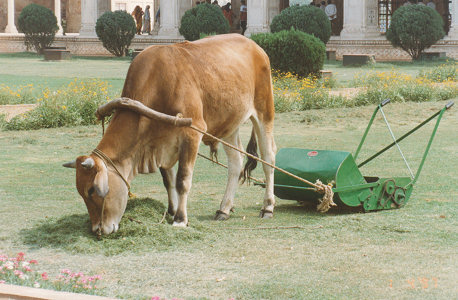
(309, 19)
(74, 105)
(19, 95)
(415, 28)
(116, 30)
(204, 18)
(293, 51)
(442, 73)
(39, 25)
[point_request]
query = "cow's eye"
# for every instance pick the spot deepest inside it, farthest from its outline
(90, 192)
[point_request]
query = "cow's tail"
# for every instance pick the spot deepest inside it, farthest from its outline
(251, 163)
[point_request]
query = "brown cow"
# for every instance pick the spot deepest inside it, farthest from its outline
(220, 82)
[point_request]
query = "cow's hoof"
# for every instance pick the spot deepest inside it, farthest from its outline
(266, 214)
(180, 224)
(221, 216)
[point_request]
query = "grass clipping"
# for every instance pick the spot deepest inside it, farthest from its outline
(140, 229)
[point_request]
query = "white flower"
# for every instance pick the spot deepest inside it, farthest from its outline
(25, 263)
(9, 265)
(36, 285)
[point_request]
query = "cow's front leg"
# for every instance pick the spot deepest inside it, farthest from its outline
(169, 180)
(235, 163)
(186, 163)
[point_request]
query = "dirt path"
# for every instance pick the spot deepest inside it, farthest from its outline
(13, 110)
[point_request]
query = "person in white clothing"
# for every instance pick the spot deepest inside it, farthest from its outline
(431, 4)
(331, 10)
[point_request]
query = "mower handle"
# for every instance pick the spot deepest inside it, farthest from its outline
(385, 102)
(450, 104)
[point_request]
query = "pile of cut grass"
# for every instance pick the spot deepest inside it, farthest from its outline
(142, 228)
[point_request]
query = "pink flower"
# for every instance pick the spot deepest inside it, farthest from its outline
(44, 276)
(156, 298)
(2, 281)
(33, 262)
(20, 256)
(18, 273)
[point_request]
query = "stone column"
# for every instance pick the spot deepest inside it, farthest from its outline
(10, 27)
(257, 17)
(88, 18)
(360, 20)
(453, 32)
(171, 13)
(57, 13)
(169, 19)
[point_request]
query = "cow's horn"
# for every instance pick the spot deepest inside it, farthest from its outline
(88, 163)
(70, 164)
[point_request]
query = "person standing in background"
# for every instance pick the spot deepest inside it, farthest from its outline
(243, 16)
(138, 15)
(431, 4)
(147, 21)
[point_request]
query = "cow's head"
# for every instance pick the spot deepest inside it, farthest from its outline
(103, 191)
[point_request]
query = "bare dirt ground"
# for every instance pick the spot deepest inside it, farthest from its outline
(13, 110)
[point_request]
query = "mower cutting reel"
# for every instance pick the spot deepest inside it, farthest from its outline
(339, 169)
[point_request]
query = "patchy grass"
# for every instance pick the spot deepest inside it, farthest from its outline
(143, 227)
(408, 253)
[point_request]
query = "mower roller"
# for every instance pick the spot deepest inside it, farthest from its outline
(339, 169)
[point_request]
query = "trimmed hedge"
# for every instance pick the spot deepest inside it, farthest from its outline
(415, 28)
(39, 25)
(116, 30)
(306, 18)
(204, 18)
(293, 51)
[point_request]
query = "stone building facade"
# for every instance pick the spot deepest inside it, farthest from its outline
(359, 27)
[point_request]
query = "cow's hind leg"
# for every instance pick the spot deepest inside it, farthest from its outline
(169, 179)
(267, 148)
(186, 161)
(235, 162)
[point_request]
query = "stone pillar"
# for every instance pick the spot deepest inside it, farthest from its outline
(453, 32)
(57, 13)
(10, 27)
(169, 22)
(360, 20)
(353, 20)
(88, 18)
(257, 17)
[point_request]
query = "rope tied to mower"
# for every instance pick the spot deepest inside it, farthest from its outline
(327, 201)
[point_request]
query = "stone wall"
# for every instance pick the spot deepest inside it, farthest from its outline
(383, 51)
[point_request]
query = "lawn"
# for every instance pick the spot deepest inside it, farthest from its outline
(409, 253)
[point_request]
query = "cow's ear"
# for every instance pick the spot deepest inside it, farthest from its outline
(101, 181)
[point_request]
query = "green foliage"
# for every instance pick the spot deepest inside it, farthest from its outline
(204, 18)
(415, 28)
(309, 19)
(116, 30)
(442, 73)
(293, 51)
(74, 105)
(39, 25)
(19, 95)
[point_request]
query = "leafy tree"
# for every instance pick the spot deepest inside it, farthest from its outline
(293, 51)
(39, 25)
(116, 30)
(204, 18)
(306, 18)
(415, 28)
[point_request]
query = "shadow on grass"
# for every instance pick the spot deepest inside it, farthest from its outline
(140, 229)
